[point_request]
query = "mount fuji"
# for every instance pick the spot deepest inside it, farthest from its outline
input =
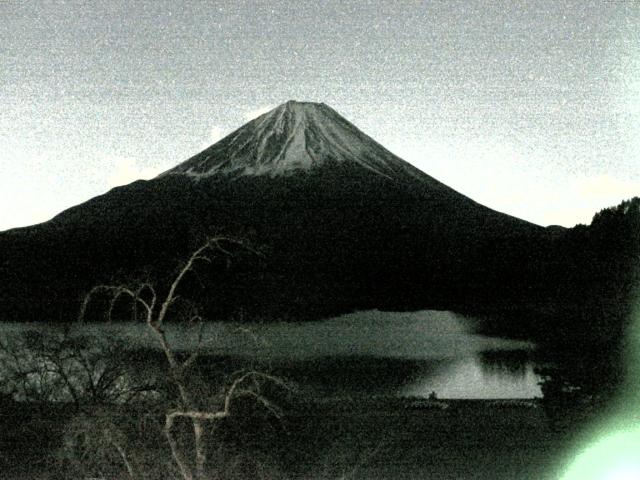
(294, 137)
(343, 223)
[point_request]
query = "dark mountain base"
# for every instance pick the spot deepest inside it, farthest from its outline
(327, 248)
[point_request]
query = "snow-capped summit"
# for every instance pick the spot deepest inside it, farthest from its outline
(295, 136)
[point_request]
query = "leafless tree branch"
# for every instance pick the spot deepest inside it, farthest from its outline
(156, 310)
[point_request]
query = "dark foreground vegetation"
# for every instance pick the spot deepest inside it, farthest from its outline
(592, 284)
(333, 439)
(87, 407)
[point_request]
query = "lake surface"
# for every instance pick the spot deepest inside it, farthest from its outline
(363, 353)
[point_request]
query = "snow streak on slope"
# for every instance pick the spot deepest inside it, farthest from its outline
(296, 136)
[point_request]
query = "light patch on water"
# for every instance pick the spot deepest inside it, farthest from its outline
(467, 379)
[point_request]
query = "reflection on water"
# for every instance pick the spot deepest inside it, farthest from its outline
(513, 363)
(472, 377)
(366, 353)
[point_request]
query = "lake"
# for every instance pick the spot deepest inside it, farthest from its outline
(362, 354)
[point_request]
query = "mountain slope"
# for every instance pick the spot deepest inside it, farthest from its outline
(344, 224)
(294, 137)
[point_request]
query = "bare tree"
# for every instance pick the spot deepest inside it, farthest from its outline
(153, 305)
(57, 366)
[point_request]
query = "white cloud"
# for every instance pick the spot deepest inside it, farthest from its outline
(126, 170)
(251, 114)
(216, 134)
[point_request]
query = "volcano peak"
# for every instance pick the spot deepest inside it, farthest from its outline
(296, 104)
(296, 136)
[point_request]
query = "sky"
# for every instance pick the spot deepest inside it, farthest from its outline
(530, 107)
